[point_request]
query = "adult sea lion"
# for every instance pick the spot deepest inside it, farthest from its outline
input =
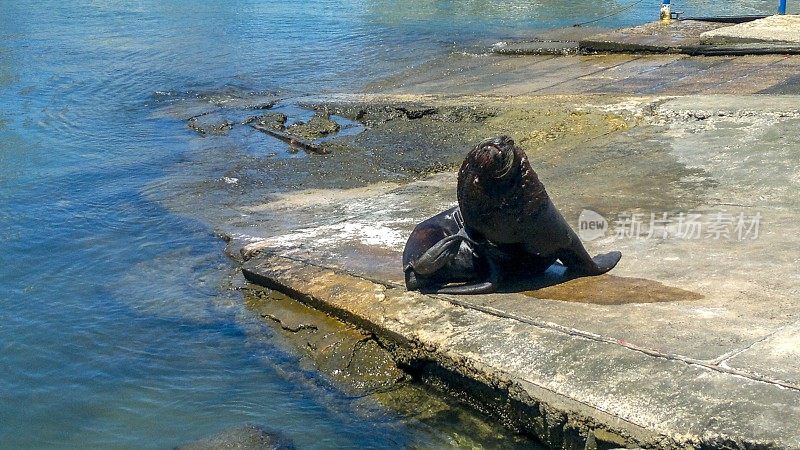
(439, 252)
(503, 201)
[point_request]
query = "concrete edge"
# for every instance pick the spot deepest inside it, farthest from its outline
(729, 49)
(455, 349)
(554, 419)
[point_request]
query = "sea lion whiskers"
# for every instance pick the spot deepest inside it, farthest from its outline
(496, 149)
(507, 168)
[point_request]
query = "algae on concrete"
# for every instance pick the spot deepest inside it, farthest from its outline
(356, 363)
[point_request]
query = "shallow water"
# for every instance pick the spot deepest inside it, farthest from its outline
(119, 326)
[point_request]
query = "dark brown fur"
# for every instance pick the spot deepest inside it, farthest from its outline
(504, 202)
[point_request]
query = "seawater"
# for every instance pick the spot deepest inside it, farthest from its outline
(118, 323)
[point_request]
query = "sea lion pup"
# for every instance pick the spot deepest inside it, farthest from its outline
(503, 201)
(439, 252)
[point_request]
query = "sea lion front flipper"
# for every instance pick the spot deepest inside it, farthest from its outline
(607, 261)
(438, 255)
(580, 263)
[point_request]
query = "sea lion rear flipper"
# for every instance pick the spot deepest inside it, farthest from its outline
(468, 289)
(487, 287)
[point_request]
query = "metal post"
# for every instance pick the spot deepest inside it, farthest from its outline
(781, 6)
(666, 15)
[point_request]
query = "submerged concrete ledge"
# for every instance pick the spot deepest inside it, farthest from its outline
(567, 388)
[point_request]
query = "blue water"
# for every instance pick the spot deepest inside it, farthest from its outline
(118, 326)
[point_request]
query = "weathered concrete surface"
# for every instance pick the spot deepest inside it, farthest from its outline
(772, 35)
(653, 37)
(617, 74)
(688, 342)
(354, 362)
(785, 28)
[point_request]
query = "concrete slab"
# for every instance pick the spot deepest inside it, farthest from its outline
(490, 74)
(750, 74)
(779, 28)
(604, 80)
(777, 356)
(701, 37)
(550, 74)
(613, 73)
(690, 341)
(684, 70)
(651, 37)
(566, 388)
(456, 68)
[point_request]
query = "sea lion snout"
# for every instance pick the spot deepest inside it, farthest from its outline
(495, 155)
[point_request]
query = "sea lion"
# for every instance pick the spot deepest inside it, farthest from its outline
(503, 201)
(439, 252)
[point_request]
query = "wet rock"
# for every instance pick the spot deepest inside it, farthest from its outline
(317, 127)
(368, 114)
(290, 320)
(274, 120)
(417, 112)
(261, 105)
(247, 437)
(210, 123)
(469, 114)
(232, 97)
(374, 114)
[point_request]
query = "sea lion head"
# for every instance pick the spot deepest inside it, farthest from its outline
(496, 157)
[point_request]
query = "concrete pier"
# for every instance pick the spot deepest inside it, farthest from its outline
(693, 341)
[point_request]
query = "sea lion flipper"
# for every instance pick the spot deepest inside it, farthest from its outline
(412, 282)
(467, 289)
(437, 256)
(487, 287)
(579, 263)
(607, 261)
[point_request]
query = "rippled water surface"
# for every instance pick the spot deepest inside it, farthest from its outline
(118, 326)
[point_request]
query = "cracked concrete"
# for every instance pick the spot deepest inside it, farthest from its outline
(688, 342)
(358, 363)
(350, 358)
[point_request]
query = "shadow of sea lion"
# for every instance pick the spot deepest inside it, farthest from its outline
(605, 289)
